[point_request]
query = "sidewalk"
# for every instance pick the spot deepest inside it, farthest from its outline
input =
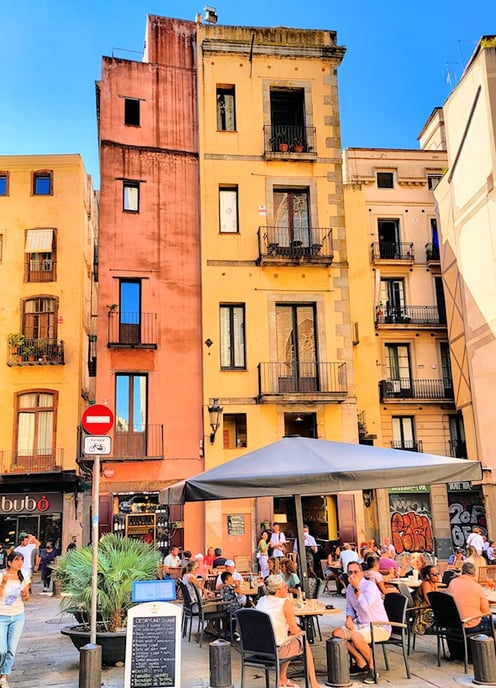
(45, 658)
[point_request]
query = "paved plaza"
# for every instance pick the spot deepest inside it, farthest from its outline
(46, 658)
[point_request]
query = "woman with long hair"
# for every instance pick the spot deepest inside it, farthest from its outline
(263, 553)
(14, 591)
(424, 617)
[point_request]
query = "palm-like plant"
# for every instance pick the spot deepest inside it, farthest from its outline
(121, 561)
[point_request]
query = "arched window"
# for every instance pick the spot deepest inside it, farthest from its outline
(35, 411)
(40, 318)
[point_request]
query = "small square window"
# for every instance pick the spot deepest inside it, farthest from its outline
(234, 430)
(132, 112)
(385, 180)
(42, 184)
(4, 183)
(131, 197)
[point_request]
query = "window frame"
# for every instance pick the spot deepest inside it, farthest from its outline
(400, 422)
(224, 226)
(4, 175)
(128, 184)
(433, 180)
(389, 174)
(223, 90)
(129, 114)
(230, 348)
(37, 410)
(38, 176)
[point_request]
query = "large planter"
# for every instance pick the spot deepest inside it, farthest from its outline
(113, 643)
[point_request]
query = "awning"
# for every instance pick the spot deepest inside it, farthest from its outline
(39, 241)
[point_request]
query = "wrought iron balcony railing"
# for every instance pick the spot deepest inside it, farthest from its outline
(457, 449)
(307, 377)
(407, 445)
(392, 250)
(40, 270)
(431, 253)
(31, 461)
(407, 388)
(303, 244)
(289, 140)
(135, 330)
(36, 352)
(406, 315)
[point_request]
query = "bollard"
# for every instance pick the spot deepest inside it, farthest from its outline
(338, 665)
(484, 659)
(55, 587)
(90, 666)
(220, 664)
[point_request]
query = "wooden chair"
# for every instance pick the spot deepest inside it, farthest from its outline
(395, 605)
(258, 646)
(326, 576)
(485, 573)
(243, 563)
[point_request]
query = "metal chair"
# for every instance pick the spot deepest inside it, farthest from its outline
(211, 612)
(449, 626)
(395, 604)
(313, 594)
(258, 646)
(189, 611)
(448, 575)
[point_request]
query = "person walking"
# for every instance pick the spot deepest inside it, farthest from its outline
(14, 591)
(48, 555)
(28, 547)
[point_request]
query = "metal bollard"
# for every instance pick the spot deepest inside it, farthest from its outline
(338, 665)
(220, 664)
(484, 659)
(90, 666)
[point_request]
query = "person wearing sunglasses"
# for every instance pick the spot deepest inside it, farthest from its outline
(424, 617)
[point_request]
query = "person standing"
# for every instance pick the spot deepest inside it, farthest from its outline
(278, 541)
(72, 544)
(48, 555)
(310, 549)
(28, 547)
(14, 591)
(263, 553)
(476, 540)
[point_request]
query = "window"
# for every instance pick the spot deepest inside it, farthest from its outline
(132, 112)
(398, 369)
(433, 180)
(39, 250)
(131, 196)
(232, 336)
(131, 415)
(297, 367)
(35, 425)
(39, 318)
(385, 180)
(292, 217)
(42, 183)
(4, 183)
(234, 430)
(130, 311)
(228, 210)
(287, 116)
(226, 108)
(403, 433)
(444, 353)
(457, 443)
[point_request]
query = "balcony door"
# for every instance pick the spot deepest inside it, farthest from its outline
(40, 320)
(292, 218)
(403, 433)
(35, 431)
(389, 238)
(398, 369)
(296, 348)
(130, 312)
(393, 299)
(131, 416)
(446, 370)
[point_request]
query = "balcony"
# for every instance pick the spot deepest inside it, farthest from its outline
(36, 352)
(422, 390)
(457, 449)
(420, 316)
(132, 330)
(302, 381)
(431, 253)
(285, 246)
(289, 142)
(39, 461)
(139, 443)
(407, 445)
(40, 270)
(392, 251)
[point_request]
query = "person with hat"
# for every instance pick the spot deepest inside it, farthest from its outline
(456, 560)
(237, 580)
(29, 548)
(287, 633)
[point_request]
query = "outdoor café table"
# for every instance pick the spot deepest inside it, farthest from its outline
(310, 609)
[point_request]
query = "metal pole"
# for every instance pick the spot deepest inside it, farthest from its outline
(302, 560)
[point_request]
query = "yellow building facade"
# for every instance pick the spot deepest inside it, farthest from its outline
(277, 333)
(46, 270)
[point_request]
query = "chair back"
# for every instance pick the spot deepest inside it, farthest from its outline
(446, 614)
(257, 634)
(313, 588)
(395, 605)
(243, 563)
(405, 591)
(187, 601)
(323, 566)
(448, 575)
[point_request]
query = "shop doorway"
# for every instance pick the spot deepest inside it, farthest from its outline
(45, 528)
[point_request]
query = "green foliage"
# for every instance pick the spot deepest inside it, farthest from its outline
(15, 339)
(121, 561)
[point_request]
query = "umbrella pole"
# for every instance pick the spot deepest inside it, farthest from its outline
(302, 559)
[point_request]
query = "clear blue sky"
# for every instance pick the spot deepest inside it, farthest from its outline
(393, 75)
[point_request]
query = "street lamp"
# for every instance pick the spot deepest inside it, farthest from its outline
(214, 412)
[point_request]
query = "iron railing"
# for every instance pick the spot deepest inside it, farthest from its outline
(288, 139)
(36, 352)
(302, 377)
(407, 388)
(404, 315)
(302, 243)
(457, 449)
(132, 329)
(431, 252)
(392, 250)
(40, 270)
(31, 461)
(407, 445)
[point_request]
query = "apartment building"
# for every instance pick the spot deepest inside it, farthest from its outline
(404, 381)
(467, 209)
(47, 237)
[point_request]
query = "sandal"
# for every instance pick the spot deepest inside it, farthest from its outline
(289, 684)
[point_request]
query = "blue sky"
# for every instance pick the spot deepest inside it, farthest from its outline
(394, 73)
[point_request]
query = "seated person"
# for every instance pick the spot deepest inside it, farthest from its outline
(289, 575)
(228, 594)
(185, 558)
(334, 569)
(190, 580)
(413, 565)
(387, 564)
(424, 618)
(372, 573)
(456, 560)
(219, 559)
(237, 580)
(287, 634)
(387, 549)
(172, 560)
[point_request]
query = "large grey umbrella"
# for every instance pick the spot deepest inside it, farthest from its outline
(296, 466)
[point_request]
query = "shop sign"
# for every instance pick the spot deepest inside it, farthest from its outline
(11, 504)
(462, 487)
(412, 489)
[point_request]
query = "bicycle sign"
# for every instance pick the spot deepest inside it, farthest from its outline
(97, 445)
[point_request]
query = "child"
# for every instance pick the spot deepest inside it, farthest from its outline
(228, 594)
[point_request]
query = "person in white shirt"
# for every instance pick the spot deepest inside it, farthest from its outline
(388, 549)
(278, 541)
(348, 554)
(28, 547)
(172, 560)
(476, 540)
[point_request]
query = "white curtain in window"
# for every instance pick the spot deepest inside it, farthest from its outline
(45, 433)
(25, 434)
(228, 210)
(130, 197)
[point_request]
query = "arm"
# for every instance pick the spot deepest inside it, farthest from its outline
(289, 615)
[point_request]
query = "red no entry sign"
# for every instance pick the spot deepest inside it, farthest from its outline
(97, 419)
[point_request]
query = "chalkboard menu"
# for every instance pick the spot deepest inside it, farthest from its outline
(153, 655)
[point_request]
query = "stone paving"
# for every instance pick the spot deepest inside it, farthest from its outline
(46, 658)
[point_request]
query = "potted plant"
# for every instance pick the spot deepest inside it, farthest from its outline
(29, 351)
(297, 145)
(15, 340)
(280, 142)
(121, 562)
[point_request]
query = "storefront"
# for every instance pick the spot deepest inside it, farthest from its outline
(37, 513)
(466, 510)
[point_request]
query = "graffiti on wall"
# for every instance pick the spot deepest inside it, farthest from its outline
(411, 523)
(465, 511)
